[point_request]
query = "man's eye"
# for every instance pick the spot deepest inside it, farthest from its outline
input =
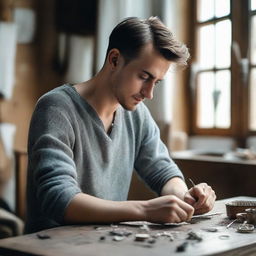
(157, 82)
(144, 78)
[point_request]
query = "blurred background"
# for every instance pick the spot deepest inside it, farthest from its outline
(206, 113)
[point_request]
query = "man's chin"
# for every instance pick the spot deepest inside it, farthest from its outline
(130, 107)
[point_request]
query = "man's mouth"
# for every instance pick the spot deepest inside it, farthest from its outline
(139, 99)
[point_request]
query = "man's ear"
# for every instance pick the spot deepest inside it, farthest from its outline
(113, 57)
(114, 60)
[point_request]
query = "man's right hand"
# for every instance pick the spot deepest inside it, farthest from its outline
(167, 209)
(85, 208)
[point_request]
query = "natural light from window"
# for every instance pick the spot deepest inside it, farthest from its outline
(205, 104)
(205, 10)
(221, 97)
(215, 51)
(210, 8)
(223, 43)
(214, 45)
(222, 8)
(214, 99)
(206, 47)
(214, 60)
(253, 4)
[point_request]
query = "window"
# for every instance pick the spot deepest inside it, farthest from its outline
(223, 69)
(214, 64)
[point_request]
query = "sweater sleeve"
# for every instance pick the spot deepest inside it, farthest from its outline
(153, 162)
(51, 164)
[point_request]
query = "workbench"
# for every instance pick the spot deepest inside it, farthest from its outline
(212, 238)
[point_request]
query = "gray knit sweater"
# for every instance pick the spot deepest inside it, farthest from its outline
(70, 152)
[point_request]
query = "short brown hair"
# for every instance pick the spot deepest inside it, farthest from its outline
(130, 35)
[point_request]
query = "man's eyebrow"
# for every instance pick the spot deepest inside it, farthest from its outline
(151, 75)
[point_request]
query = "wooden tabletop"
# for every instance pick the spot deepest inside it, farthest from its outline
(210, 237)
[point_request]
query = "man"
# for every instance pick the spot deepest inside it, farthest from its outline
(86, 139)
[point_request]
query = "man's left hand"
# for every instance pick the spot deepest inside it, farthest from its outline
(201, 197)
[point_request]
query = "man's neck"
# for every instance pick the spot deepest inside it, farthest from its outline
(98, 94)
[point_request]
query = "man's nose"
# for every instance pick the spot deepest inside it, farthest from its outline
(148, 91)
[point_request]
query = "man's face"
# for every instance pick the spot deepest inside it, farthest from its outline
(135, 81)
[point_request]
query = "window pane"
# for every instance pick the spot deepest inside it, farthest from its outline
(206, 47)
(223, 43)
(253, 40)
(252, 96)
(221, 97)
(222, 8)
(253, 4)
(205, 107)
(205, 9)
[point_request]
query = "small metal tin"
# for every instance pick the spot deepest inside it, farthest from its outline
(238, 206)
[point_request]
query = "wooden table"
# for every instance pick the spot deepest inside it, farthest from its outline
(97, 240)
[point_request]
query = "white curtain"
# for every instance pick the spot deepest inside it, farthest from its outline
(161, 106)
(80, 58)
(111, 12)
(8, 39)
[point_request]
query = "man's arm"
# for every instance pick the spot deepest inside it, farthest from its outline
(202, 197)
(84, 208)
(175, 186)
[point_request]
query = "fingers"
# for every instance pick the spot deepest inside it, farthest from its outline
(168, 209)
(199, 199)
(184, 210)
(205, 197)
(208, 205)
(179, 213)
(201, 193)
(189, 199)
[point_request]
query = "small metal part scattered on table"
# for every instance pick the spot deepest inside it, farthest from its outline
(151, 240)
(206, 216)
(120, 232)
(141, 237)
(165, 233)
(245, 228)
(210, 229)
(182, 247)
(231, 223)
(224, 237)
(118, 238)
(194, 236)
(43, 236)
(145, 227)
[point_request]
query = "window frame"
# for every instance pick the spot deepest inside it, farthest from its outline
(240, 16)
